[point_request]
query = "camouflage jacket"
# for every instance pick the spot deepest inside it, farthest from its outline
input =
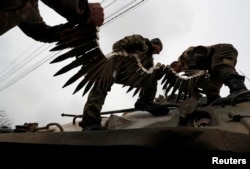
(136, 44)
(208, 57)
(25, 14)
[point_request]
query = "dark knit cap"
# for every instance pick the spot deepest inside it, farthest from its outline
(157, 41)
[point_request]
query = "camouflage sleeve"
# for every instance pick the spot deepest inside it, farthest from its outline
(194, 57)
(42, 32)
(26, 15)
(131, 44)
(72, 10)
(184, 58)
(13, 12)
(34, 26)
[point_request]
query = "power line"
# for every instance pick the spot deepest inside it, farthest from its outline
(35, 66)
(12, 63)
(12, 70)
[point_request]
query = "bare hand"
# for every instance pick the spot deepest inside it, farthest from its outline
(97, 14)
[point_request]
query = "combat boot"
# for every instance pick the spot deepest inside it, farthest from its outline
(152, 107)
(91, 120)
(236, 84)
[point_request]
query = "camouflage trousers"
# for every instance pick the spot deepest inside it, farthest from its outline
(222, 67)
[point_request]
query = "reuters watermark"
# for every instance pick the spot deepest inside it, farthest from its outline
(228, 161)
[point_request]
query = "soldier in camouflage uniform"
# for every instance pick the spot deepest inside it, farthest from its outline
(220, 61)
(25, 14)
(131, 44)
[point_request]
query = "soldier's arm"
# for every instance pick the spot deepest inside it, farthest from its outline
(78, 10)
(42, 32)
(73, 10)
(35, 27)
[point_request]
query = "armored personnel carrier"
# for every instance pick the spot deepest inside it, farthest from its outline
(190, 133)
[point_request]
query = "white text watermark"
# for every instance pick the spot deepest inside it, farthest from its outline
(228, 161)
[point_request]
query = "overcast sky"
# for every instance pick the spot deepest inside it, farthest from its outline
(39, 97)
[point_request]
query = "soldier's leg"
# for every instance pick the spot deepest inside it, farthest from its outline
(146, 101)
(224, 61)
(91, 112)
(147, 94)
(235, 83)
(214, 85)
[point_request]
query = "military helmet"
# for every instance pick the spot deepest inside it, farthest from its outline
(157, 41)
